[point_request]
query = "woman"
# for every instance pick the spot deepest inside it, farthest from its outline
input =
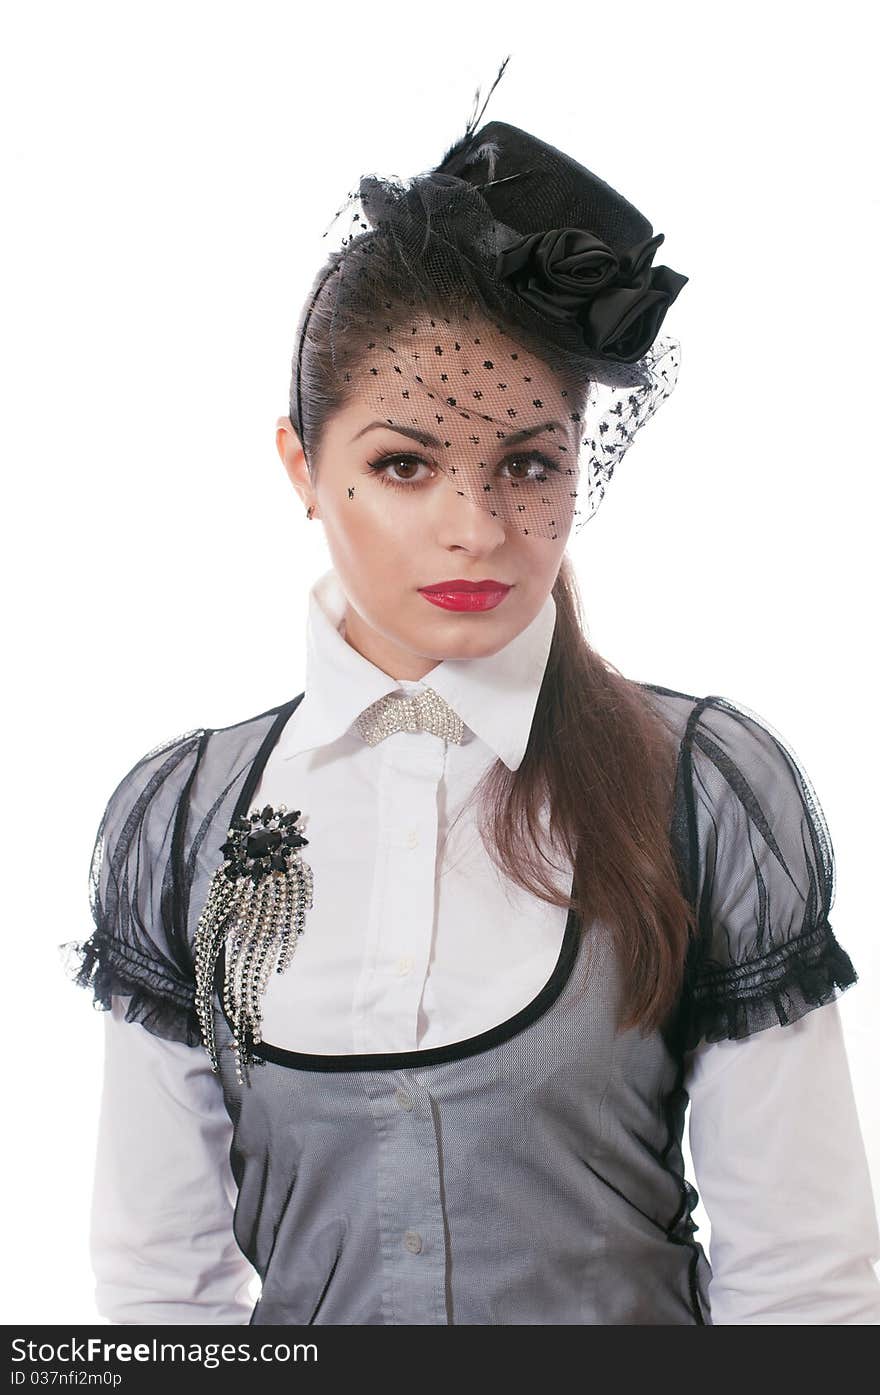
(361, 1039)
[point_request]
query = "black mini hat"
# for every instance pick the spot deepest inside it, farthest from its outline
(572, 228)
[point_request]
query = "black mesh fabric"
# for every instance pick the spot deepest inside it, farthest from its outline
(536, 1169)
(137, 946)
(762, 874)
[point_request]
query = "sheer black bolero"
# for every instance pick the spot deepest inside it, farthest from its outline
(749, 835)
(138, 946)
(759, 868)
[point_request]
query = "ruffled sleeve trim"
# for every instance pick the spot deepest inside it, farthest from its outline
(163, 1004)
(776, 988)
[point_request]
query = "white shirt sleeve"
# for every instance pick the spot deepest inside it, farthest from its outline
(781, 1167)
(162, 1245)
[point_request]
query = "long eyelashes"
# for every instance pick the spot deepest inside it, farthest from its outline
(379, 467)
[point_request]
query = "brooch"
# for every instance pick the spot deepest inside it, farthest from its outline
(256, 905)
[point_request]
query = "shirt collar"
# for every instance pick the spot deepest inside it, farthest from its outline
(495, 695)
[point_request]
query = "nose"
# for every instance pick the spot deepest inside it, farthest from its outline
(469, 522)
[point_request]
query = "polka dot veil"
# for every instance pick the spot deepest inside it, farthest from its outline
(503, 329)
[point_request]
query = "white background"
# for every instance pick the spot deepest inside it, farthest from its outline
(168, 170)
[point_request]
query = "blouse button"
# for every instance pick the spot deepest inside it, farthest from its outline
(403, 965)
(412, 838)
(413, 1241)
(403, 1099)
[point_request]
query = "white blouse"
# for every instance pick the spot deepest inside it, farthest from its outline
(405, 958)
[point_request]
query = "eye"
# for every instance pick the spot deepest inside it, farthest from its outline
(532, 457)
(380, 467)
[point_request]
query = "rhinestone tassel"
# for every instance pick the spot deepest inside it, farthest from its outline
(256, 906)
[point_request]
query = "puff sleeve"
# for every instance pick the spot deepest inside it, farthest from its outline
(139, 948)
(765, 953)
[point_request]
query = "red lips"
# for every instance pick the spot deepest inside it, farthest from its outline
(459, 585)
(470, 596)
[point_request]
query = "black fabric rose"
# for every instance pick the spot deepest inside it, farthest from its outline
(570, 276)
(261, 842)
(554, 270)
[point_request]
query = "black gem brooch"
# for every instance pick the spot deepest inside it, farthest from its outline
(256, 907)
(261, 843)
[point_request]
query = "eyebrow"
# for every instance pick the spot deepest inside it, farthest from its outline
(512, 438)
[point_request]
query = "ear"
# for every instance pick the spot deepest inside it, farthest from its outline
(294, 461)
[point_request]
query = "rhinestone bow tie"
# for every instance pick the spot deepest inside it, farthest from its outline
(427, 711)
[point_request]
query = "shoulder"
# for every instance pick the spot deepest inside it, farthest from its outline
(717, 730)
(755, 803)
(158, 781)
(249, 736)
(675, 708)
(735, 765)
(732, 736)
(168, 765)
(140, 808)
(149, 775)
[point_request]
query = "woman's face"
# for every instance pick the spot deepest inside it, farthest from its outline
(386, 542)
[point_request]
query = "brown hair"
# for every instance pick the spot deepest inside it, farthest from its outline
(599, 753)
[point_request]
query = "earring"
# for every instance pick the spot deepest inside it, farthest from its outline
(309, 511)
